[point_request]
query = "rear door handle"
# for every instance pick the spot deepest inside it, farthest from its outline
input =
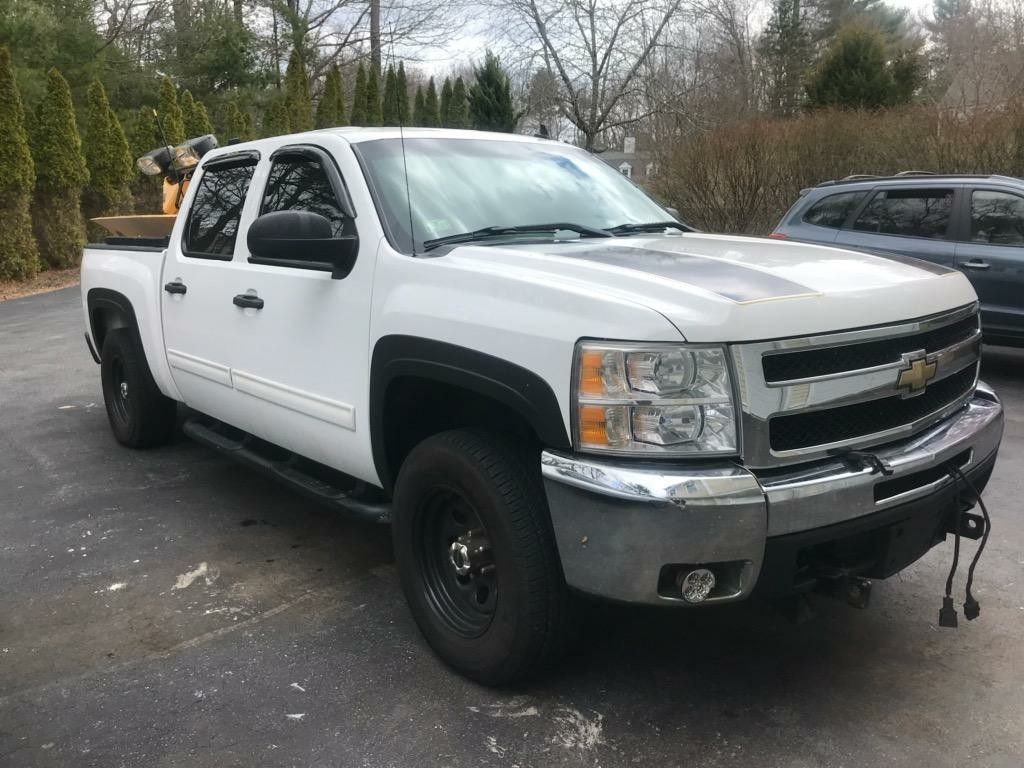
(176, 286)
(975, 264)
(248, 301)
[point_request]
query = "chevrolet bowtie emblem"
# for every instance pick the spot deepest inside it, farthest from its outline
(916, 374)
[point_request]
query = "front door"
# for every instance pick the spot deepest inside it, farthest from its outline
(300, 360)
(992, 257)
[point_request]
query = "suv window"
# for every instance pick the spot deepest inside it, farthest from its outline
(909, 212)
(300, 183)
(212, 224)
(832, 211)
(997, 218)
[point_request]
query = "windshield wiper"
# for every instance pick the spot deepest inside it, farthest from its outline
(486, 232)
(650, 226)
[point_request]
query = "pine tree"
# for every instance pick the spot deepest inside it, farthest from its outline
(446, 103)
(431, 115)
(19, 258)
(330, 111)
(855, 74)
(60, 176)
(170, 113)
(419, 110)
(296, 89)
(107, 157)
(785, 50)
(359, 97)
(194, 116)
(403, 94)
(459, 110)
(276, 120)
(374, 114)
(392, 104)
(234, 123)
(490, 98)
(145, 138)
(250, 128)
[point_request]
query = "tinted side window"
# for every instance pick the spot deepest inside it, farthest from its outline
(911, 212)
(997, 218)
(212, 224)
(832, 211)
(302, 184)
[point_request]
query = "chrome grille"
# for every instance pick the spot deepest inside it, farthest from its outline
(806, 398)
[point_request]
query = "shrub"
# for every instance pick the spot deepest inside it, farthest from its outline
(110, 163)
(19, 258)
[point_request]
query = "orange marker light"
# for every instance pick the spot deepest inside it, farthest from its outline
(591, 380)
(593, 425)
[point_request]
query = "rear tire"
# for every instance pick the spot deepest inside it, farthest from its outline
(509, 615)
(140, 415)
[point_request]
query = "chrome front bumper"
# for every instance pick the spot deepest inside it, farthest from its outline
(618, 525)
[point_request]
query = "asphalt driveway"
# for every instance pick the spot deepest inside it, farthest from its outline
(167, 608)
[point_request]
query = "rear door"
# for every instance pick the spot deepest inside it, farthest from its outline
(991, 254)
(911, 221)
(300, 361)
(196, 308)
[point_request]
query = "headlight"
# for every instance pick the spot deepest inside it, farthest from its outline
(672, 400)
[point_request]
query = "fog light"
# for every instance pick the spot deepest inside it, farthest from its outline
(696, 585)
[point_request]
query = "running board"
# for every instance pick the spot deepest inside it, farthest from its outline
(288, 468)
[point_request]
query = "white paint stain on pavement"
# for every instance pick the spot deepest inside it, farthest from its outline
(296, 717)
(116, 587)
(574, 730)
(298, 687)
(185, 580)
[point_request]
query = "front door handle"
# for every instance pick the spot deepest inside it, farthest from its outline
(975, 264)
(176, 286)
(248, 301)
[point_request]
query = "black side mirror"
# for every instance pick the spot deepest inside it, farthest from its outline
(301, 240)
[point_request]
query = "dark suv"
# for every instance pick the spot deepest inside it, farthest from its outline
(971, 223)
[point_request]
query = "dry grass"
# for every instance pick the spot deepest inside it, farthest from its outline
(51, 280)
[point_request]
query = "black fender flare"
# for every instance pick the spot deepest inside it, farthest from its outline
(119, 308)
(515, 387)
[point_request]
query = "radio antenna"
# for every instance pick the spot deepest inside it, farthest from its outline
(160, 127)
(408, 196)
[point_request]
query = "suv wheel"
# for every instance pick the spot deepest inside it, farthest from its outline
(477, 556)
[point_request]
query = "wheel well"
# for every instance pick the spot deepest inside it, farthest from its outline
(108, 311)
(416, 408)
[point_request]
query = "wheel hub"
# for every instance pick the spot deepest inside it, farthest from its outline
(470, 554)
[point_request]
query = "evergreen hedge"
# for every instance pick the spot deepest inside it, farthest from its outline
(19, 258)
(107, 156)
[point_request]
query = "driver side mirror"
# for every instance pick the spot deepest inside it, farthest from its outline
(301, 240)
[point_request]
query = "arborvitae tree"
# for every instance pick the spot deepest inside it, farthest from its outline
(194, 116)
(359, 97)
(170, 113)
(392, 104)
(446, 103)
(403, 94)
(60, 176)
(18, 256)
(250, 128)
(330, 111)
(855, 74)
(276, 120)
(296, 90)
(107, 157)
(458, 112)
(419, 110)
(234, 123)
(374, 114)
(490, 98)
(145, 138)
(431, 112)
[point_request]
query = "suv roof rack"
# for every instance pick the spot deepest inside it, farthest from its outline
(906, 174)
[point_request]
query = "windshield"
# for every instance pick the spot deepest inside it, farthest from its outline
(461, 185)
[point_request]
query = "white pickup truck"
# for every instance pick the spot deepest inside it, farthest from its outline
(544, 382)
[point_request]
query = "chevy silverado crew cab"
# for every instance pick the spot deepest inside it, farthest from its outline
(544, 382)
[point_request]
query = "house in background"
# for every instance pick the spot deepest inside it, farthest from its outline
(636, 165)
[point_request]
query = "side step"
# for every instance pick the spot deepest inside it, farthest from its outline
(309, 478)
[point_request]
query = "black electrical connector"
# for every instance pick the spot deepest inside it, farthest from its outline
(947, 614)
(972, 608)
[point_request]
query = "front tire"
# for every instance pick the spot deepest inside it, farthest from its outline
(477, 557)
(140, 415)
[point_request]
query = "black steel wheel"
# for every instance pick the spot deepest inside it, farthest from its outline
(477, 555)
(139, 414)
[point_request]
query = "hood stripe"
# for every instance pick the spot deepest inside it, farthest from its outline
(727, 279)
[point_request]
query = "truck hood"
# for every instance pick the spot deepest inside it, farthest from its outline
(721, 288)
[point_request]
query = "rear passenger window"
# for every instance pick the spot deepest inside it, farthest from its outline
(212, 224)
(909, 212)
(997, 218)
(301, 183)
(832, 211)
